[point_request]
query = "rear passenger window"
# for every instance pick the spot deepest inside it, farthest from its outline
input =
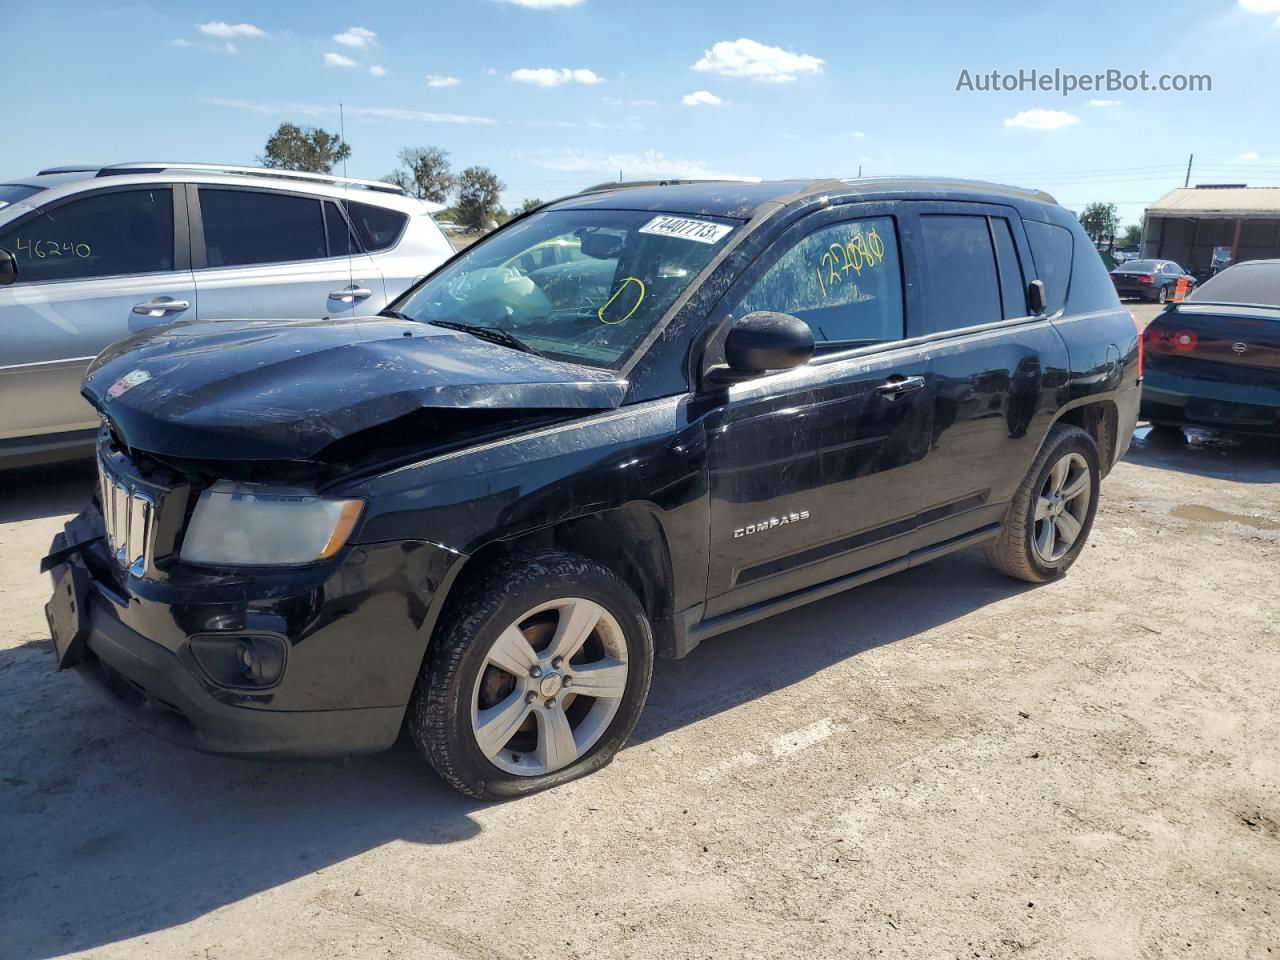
(1013, 288)
(114, 233)
(377, 227)
(844, 281)
(1051, 248)
(959, 265)
(341, 242)
(243, 227)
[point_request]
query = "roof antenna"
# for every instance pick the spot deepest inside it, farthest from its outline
(346, 189)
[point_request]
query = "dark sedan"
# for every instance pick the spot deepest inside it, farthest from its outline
(1150, 279)
(1214, 360)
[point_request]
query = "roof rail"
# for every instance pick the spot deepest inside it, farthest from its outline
(120, 169)
(673, 181)
(69, 168)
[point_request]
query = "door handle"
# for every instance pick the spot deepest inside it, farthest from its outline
(892, 389)
(160, 306)
(351, 294)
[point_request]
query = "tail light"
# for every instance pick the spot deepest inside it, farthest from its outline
(1184, 340)
(1146, 278)
(1142, 335)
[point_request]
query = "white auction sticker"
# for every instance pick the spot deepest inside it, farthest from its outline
(703, 231)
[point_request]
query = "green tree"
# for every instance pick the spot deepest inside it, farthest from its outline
(424, 173)
(528, 205)
(1100, 222)
(1131, 237)
(304, 148)
(479, 190)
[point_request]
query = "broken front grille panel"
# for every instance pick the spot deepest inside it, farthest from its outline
(128, 514)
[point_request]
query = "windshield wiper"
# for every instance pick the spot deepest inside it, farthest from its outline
(492, 334)
(396, 315)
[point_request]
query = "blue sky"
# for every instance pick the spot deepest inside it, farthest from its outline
(554, 94)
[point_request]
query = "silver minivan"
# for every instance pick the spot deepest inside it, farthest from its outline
(101, 252)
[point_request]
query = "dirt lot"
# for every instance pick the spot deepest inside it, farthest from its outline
(942, 764)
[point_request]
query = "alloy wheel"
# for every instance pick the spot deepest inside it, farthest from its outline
(551, 684)
(1061, 508)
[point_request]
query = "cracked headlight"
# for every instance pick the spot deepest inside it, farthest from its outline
(242, 525)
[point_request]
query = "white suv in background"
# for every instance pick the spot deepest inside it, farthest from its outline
(101, 252)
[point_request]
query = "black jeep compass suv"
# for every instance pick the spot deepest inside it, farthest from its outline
(624, 422)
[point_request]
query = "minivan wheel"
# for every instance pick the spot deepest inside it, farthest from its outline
(1053, 509)
(537, 676)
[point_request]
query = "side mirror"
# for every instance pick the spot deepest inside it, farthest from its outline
(8, 268)
(1037, 298)
(764, 341)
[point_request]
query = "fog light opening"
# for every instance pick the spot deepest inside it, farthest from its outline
(240, 661)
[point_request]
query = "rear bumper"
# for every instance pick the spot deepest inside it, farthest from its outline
(1167, 398)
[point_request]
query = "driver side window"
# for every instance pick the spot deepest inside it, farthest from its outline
(844, 281)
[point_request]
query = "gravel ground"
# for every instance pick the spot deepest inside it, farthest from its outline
(942, 764)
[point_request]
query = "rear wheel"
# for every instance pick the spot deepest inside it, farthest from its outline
(536, 677)
(1053, 509)
(1163, 295)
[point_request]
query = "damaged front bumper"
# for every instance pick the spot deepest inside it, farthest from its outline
(352, 634)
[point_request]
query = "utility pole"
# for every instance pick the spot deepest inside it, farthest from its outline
(859, 171)
(1187, 182)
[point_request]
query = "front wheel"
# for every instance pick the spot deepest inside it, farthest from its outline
(1053, 509)
(536, 676)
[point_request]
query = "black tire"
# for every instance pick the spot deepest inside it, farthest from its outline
(1014, 551)
(439, 717)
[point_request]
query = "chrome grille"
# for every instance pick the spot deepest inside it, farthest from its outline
(128, 515)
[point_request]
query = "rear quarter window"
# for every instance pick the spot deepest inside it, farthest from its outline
(1051, 248)
(377, 227)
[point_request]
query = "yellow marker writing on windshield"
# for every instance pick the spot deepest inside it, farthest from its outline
(622, 286)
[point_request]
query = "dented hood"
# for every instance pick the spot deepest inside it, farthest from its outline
(286, 389)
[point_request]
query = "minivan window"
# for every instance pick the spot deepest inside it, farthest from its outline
(245, 227)
(844, 281)
(959, 274)
(377, 227)
(1051, 247)
(112, 233)
(1013, 286)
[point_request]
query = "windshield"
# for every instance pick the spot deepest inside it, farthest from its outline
(1243, 283)
(580, 285)
(14, 192)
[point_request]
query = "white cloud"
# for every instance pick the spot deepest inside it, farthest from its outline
(321, 109)
(217, 28)
(357, 37)
(1260, 6)
(338, 60)
(438, 80)
(231, 48)
(546, 4)
(647, 164)
(701, 98)
(378, 70)
(550, 77)
(856, 134)
(619, 102)
(747, 58)
(1104, 103)
(1250, 156)
(181, 43)
(1038, 119)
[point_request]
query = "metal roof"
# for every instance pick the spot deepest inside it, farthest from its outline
(1219, 202)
